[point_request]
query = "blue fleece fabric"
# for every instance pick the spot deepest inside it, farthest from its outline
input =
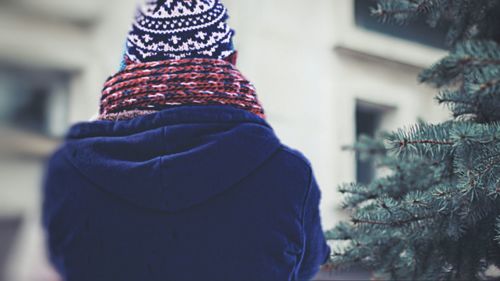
(189, 193)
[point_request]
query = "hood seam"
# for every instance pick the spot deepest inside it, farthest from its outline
(279, 147)
(103, 190)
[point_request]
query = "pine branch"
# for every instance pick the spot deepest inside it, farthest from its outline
(399, 223)
(468, 55)
(405, 143)
(493, 164)
(400, 11)
(424, 140)
(488, 84)
(475, 61)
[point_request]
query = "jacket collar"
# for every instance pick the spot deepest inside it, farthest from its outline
(172, 116)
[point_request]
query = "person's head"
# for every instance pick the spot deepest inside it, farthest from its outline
(179, 29)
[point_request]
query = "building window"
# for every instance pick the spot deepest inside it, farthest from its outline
(368, 120)
(416, 31)
(34, 100)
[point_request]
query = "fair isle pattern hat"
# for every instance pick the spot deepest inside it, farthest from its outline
(178, 29)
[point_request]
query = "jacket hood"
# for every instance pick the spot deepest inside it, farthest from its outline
(158, 161)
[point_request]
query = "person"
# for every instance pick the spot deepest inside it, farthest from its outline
(181, 177)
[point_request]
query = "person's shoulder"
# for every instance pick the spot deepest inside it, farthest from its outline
(57, 166)
(296, 154)
(295, 159)
(57, 157)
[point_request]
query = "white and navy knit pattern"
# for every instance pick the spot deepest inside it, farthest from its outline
(177, 29)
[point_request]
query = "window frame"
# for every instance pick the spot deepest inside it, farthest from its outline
(354, 37)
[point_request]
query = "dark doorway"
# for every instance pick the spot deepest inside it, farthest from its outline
(368, 120)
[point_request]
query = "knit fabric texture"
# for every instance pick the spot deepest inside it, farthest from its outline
(144, 88)
(177, 29)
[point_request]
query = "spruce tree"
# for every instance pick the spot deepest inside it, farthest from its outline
(436, 214)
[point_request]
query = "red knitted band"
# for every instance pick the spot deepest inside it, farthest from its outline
(154, 86)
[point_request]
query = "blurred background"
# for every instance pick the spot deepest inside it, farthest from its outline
(325, 70)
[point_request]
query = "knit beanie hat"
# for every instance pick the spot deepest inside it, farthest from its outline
(178, 53)
(178, 29)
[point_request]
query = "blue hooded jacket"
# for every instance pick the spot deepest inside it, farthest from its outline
(188, 193)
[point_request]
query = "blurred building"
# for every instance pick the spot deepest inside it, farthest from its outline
(325, 70)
